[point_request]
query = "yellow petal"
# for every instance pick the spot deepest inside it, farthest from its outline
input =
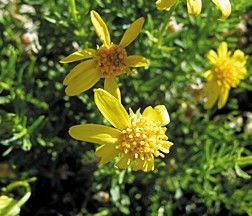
(93, 133)
(157, 114)
(194, 7)
(212, 56)
(106, 153)
(208, 75)
(136, 61)
(138, 164)
(165, 147)
(239, 56)
(148, 165)
(224, 6)
(224, 92)
(111, 109)
(164, 4)
(110, 85)
(83, 82)
(79, 55)
(222, 50)
(78, 69)
(132, 32)
(100, 28)
(123, 163)
(212, 90)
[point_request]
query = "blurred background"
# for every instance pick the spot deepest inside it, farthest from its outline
(46, 172)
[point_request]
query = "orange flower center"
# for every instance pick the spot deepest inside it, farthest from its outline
(110, 60)
(142, 139)
(228, 72)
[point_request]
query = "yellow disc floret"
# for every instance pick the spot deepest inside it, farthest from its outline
(110, 60)
(142, 139)
(227, 72)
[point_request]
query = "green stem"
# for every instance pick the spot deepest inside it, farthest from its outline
(24, 184)
(74, 11)
(166, 22)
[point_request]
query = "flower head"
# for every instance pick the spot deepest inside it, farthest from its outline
(194, 6)
(108, 61)
(137, 138)
(227, 71)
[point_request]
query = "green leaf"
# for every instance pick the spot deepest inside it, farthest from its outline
(240, 172)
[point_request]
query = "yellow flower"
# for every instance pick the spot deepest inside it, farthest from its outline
(108, 61)
(194, 6)
(227, 71)
(135, 137)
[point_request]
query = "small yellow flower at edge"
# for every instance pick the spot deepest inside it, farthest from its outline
(108, 61)
(194, 6)
(137, 138)
(227, 71)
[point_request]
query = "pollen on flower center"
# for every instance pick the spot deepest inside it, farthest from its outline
(142, 139)
(225, 72)
(110, 60)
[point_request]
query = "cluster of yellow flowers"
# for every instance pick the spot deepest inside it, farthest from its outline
(139, 137)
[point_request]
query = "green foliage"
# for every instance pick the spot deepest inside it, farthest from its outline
(208, 170)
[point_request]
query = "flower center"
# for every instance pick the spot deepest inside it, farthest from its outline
(142, 139)
(228, 72)
(110, 60)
